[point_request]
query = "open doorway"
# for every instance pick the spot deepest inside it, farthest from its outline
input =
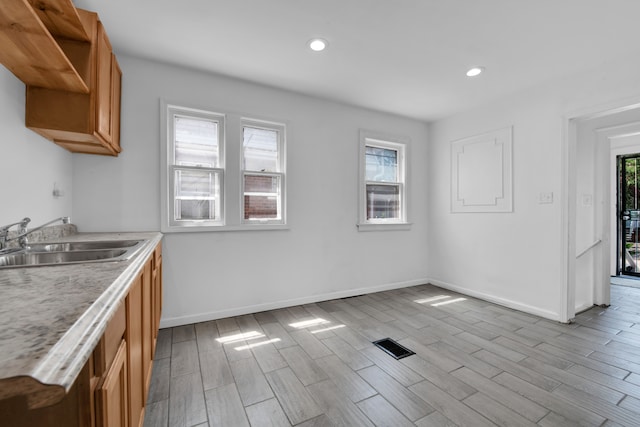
(628, 214)
(592, 214)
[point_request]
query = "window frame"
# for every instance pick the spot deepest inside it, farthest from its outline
(280, 172)
(401, 146)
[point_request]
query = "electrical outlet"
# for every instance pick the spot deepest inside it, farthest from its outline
(57, 193)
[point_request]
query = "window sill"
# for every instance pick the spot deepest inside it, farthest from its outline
(398, 226)
(207, 229)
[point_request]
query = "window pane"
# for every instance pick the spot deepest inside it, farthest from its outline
(197, 195)
(260, 149)
(196, 142)
(189, 210)
(261, 197)
(383, 201)
(381, 164)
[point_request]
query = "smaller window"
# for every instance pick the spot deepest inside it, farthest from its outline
(382, 181)
(263, 172)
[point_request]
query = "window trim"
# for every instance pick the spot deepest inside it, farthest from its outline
(401, 146)
(281, 129)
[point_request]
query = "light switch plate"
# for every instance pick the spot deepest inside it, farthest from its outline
(545, 198)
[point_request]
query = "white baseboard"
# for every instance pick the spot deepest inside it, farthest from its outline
(547, 314)
(239, 311)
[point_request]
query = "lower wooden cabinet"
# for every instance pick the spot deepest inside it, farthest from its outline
(141, 327)
(112, 388)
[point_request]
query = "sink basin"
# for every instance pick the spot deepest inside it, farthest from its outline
(82, 246)
(32, 259)
(45, 254)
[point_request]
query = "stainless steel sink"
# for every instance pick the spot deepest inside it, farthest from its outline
(46, 254)
(81, 246)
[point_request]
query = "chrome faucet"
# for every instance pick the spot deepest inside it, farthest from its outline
(23, 232)
(4, 231)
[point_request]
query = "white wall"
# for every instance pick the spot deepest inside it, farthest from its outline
(29, 164)
(517, 258)
(217, 274)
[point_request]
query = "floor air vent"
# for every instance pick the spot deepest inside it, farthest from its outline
(393, 348)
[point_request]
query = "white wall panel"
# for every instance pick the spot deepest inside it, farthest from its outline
(481, 173)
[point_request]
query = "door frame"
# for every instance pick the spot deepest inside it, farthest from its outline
(569, 196)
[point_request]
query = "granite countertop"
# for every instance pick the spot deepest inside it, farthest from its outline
(51, 318)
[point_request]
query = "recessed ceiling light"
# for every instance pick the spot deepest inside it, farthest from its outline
(475, 71)
(318, 45)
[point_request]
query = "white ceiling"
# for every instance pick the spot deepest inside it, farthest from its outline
(407, 57)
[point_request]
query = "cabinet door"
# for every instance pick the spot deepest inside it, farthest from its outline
(157, 291)
(147, 324)
(104, 82)
(112, 396)
(116, 87)
(134, 340)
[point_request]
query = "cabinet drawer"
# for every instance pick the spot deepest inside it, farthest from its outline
(107, 348)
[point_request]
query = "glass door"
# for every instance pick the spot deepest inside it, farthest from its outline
(629, 214)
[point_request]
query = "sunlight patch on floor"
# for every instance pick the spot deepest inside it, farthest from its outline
(449, 301)
(257, 344)
(330, 328)
(431, 299)
(308, 323)
(240, 337)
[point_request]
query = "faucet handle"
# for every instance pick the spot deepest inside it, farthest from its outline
(4, 230)
(23, 231)
(23, 225)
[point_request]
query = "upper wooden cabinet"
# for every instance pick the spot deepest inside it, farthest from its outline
(73, 79)
(82, 122)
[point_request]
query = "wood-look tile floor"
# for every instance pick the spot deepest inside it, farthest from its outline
(476, 364)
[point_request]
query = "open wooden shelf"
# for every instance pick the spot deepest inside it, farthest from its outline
(61, 19)
(29, 49)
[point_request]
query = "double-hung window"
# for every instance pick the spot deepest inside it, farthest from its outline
(262, 172)
(221, 171)
(195, 163)
(383, 200)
